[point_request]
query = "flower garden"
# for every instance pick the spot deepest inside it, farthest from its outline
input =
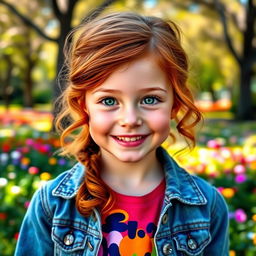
(225, 156)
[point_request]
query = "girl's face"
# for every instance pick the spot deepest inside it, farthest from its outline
(130, 112)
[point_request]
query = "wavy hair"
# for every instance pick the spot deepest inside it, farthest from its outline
(97, 49)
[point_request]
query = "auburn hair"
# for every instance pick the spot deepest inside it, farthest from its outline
(94, 50)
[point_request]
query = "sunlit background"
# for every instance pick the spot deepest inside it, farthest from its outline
(219, 37)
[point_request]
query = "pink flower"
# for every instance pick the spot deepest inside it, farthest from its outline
(33, 170)
(213, 144)
(240, 215)
(26, 204)
(30, 142)
(239, 169)
(220, 189)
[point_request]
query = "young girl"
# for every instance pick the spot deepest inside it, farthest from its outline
(126, 196)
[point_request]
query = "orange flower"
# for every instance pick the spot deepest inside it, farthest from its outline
(232, 253)
(254, 239)
(253, 165)
(52, 161)
(228, 192)
(25, 161)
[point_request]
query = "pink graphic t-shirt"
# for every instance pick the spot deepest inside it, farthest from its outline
(129, 227)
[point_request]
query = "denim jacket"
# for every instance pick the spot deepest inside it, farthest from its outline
(193, 220)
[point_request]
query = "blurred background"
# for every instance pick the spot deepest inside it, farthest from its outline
(220, 39)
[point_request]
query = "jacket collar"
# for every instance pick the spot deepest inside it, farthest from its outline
(70, 183)
(179, 184)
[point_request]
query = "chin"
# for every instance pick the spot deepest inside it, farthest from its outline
(129, 159)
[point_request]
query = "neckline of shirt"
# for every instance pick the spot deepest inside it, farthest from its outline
(149, 197)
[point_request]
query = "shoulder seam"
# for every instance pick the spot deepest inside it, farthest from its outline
(45, 204)
(213, 211)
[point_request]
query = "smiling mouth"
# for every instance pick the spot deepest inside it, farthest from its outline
(130, 139)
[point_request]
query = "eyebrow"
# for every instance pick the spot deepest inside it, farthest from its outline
(149, 89)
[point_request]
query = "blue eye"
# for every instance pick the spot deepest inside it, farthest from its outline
(109, 101)
(150, 100)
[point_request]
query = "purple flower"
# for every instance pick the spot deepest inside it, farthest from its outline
(15, 161)
(231, 215)
(240, 178)
(24, 166)
(62, 161)
(47, 147)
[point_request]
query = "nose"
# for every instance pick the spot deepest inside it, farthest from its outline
(130, 117)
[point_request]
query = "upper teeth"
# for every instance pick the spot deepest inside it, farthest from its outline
(129, 138)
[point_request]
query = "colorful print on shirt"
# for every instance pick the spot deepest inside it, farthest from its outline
(129, 228)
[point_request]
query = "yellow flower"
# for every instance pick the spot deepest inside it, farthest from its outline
(212, 169)
(254, 239)
(232, 253)
(254, 217)
(228, 192)
(228, 164)
(52, 161)
(45, 176)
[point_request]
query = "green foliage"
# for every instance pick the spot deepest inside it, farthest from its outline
(42, 96)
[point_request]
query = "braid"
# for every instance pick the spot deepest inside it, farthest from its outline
(93, 192)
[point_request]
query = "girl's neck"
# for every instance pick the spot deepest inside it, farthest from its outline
(132, 178)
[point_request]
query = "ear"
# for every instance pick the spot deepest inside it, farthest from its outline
(82, 105)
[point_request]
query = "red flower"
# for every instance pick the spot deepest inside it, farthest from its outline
(16, 235)
(6, 147)
(3, 216)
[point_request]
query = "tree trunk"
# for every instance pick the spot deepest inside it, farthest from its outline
(28, 86)
(7, 89)
(59, 83)
(60, 67)
(244, 108)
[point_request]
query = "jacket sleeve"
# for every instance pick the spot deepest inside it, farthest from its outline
(35, 233)
(219, 228)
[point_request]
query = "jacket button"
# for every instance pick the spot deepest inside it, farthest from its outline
(192, 244)
(165, 218)
(167, 249)
(69, 239)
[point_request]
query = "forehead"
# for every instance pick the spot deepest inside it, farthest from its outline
(139, 74)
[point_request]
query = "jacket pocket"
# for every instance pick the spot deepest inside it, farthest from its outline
(68, 240)
(192, 241)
